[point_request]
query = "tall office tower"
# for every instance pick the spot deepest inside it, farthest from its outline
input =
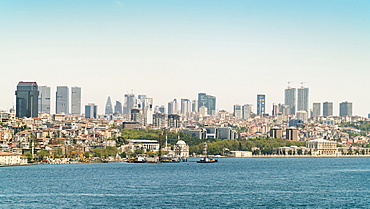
(327, 108)
(275, 109)
(108, 107)
(194, 106)
(141, 101)
(345, 109)
(162, 109)
(290, 99)
(173, 107)
(302, 115)
(185, 106)
(302, 102)
(261, 101)
(316, 109)
(62, 100)
(174, 121)
(76, 101)
(137, 116)
(159, 119)
(118, 108)
(170, 107)
(44, 99)
(238, 111)
(247, 111)
(91, 110)
(211, 105)
(129, 103)
(202, 100)
(27, 99)
(148, 111)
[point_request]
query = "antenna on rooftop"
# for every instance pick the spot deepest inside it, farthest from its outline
(289, 82)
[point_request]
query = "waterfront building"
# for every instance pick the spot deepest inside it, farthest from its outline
(327, 109)
(27, 97)
(290, 99)
(146, 145)
(10, 158)
(76, 101)
(302, 102)
(108, 107)
(91, 110)
(261, 101)
(345, 109)
(322, 147)
(316, 109)
(237, 111)
(62, 100)
(246, 111)
(44, 99)
(181, 149)
(118, 108)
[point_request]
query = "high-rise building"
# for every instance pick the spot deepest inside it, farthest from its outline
(327, 109)
(159, 119)
(202, 100)
(261, 102)
(238, 111)
(118, 108)
(276, 133)
(173, 107)
(27, 99)
(316, 109)
(246, 111)
(91, 110)
(211, 105)
(162, 109)
(129, 103)
(291, 134)
(174, 121)
(194, 106)
(137, 116)
(345, 109)
(44, 99)
(185, 106)
(275, 109)
(302, 102)
(290, 99)
(76, 101)
(284, 109)
(108, 107)
(148, 111)
(62, 100)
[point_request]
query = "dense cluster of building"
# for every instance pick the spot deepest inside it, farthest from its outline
(32, 121)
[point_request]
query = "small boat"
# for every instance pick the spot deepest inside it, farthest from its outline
(207, 160)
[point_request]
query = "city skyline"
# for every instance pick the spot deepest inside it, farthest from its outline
(232, 50)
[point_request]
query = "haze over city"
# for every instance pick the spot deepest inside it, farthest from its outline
(176, 49)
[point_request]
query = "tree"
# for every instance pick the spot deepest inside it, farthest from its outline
(42, 154)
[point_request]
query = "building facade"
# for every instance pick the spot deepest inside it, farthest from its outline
(44, 99)
(261, 104)
(76, 101)
(290, 99)
(62, 100)
(327, 109)
(27, 98)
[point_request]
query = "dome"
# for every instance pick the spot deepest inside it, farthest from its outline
(180, 142)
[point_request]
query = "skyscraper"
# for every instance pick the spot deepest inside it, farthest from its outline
(238, 111)
(44, 99)
(345, 109)
(185, 106)
(316, 109)
(62, 100)
(211, 105)
(173, 107)
(76, 101)
(327, 109)
(261, 101)
(108, 107)
(91, 110)
(194, 106)
(247, 110)
(27, 97)
(118, 107)
(275, 109)
(129, 103)
(302, 103)
(202, 100)
(290, 99)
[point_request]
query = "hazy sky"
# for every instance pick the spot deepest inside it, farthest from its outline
(175, 49)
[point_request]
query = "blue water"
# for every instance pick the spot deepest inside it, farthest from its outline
(230, 183)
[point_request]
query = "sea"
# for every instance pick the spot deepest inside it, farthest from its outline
(230, 183)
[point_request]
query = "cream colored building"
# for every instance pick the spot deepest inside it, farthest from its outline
(240, 154)
(10, 158)
(181, 149)
(322, 147)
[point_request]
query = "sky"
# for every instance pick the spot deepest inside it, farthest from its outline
(170, 49)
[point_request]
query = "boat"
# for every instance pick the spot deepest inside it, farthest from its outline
(207, 160)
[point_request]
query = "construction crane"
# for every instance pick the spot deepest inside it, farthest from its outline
(302, 84)
(289, 82)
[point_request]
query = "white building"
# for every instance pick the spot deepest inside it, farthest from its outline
(10, 158)
(322, 147)
(181, 149)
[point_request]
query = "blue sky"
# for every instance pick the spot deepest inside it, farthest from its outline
(175, 49)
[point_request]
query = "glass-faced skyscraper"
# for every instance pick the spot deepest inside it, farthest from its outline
(345, 109)
(62, 100)
(27, 97)
(290, 99)
(327, 108)
(44, 99)
(129, 103)
(76, 101)
(207, 101)
(108, 107)
(302, 102)
(261, 100)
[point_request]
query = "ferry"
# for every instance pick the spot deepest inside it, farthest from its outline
(207, 160)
